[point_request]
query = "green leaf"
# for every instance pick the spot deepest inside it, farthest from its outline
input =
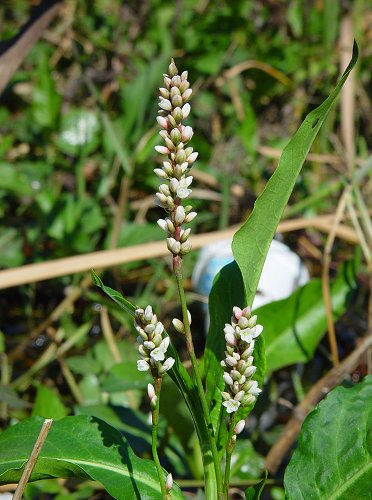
(254, 492)
(83, 447)
(79, 132)
(334, 454)
(48, 404)
(252, 241)
(10, 397)
(293, 327)
(125, 377)
(46, 101)
(11, 247)
(114, 295)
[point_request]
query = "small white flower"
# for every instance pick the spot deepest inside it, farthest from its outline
(159, 328)
(246, 335)
(254, 389)
(229, 329)
(167, 365)
(173, 184)
(142, 365)
(231, 405)
(183, 184)
(186, 247)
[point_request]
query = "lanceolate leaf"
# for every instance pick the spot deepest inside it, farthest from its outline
(334, 455)
(251, 243)
(295, 326)
(83, 447)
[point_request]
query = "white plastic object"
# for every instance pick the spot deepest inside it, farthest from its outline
(282, 274)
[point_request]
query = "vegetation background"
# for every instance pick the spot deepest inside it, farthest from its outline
(77, 124)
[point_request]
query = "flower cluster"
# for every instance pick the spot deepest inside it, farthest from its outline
(151, 344)
(174, 108)
(238, 364)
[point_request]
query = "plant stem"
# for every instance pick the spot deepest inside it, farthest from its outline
(177, 262)
(155, 421)
(229, 451)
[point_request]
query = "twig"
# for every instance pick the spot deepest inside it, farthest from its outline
(15, 50)
(33, 458)
(109, 335)
(325, 276)
(32, 273)
(316, 393)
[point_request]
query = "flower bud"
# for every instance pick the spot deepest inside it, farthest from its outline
(166, 105)
(150, 391)
(153, 402)
(189, 217)
(178, 325)
(177, 114)
(227, 378)
(162, 121)
(184, 75)
(173, 246)
(170, 226)
(187, 133)
(177, 101)
(162, 150)
(172, 69)
(180, 156)
(186, 247)
(160, 173)
(176, 81)
(163, 224)
(185, 110)
(186, 95)
(175, 136)
(184, 235)
(169, 483)
(180, 215)
(192, 158)
(168, 167)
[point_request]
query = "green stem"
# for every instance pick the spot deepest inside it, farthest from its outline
(177, 262)
(229, 451)
(155, 421)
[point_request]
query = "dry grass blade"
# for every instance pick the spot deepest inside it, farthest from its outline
(33, 458)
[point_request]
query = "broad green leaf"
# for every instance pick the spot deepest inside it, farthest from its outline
(79, 132)
(293, 327)
(227, 292)
(334, 455)
(252, 241)
(83, 447)
(48, 404)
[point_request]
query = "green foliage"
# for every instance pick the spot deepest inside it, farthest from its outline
(251, 243)
(334, 454)
(48, 404)
(82, 447)
(295, 326)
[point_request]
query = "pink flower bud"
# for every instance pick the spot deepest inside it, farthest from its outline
(185, 110)
(150, 391)
(162, 121)
(239, 427)
(169, 482)
(162, 150)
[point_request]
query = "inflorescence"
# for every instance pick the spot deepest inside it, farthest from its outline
(238, 364)
(174, 108)
(152, 346)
